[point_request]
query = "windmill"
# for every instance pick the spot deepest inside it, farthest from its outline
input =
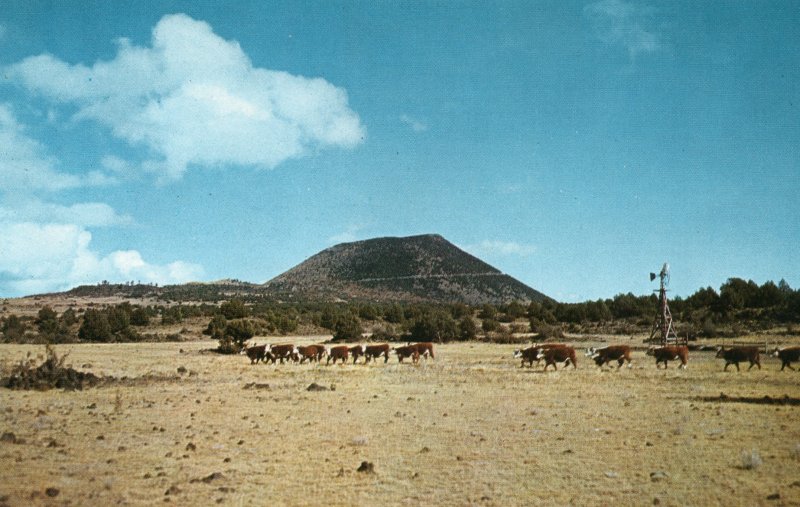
(663, 321)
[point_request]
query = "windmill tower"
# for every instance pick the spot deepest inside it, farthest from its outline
(663, 331)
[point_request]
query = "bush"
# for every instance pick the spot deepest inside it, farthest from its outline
(435, 326)
(233, 309)
(347, 328)
(467, 330)
(95, 327)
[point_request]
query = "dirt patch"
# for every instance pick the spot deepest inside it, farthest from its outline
(756, 400)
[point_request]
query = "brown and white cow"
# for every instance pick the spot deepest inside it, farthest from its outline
(284, 351)
(256, 353)
(531, 353)
(787, 355)
(553, 355)
(618, 353)
(339, 352)
(407, 351)
(310, 353)
(736, 355)
(424, 348)
(670, 353)
(357, 351)
(376, 351)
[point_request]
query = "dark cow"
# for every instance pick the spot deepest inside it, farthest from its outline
(256, 353)
(357, 351)
(553, 355)
(787, 356)
(531, 353)
(736, 355)
(407, 351)
(338, 352)
(424, 348)
(283, 352)
(311, 353)
(618, 353)
(376, 351)
(670, 353)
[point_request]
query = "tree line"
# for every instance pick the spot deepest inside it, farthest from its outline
(738, 307)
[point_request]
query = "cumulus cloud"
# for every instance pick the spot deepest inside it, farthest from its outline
(194, 98)
(86, 214)
(493, 247)
(24, 164)
(51, 257)
(624, 24)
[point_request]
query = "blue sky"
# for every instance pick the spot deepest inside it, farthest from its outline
(573, 145)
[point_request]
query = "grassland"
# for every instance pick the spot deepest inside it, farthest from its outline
(468, 428)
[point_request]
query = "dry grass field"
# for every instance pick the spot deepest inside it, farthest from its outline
(468, 428)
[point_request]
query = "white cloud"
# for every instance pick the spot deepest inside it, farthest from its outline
(23, 162)
(195, 98)
(491, 247)
(26, 167)
(625, 24)
(50, 257)
(88, 214)
(416, 125)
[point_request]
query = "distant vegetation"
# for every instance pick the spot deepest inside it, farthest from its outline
(739, 307)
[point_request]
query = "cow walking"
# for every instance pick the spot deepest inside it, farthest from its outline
(736, 355)
(553, 355)
(787, 355)
(670, 353)
(618, 353)
(376, 351)
(531, 353)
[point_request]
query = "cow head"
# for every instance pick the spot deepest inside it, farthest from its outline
(540, 354)
(720, 352)
(518, 353)
(776, 352)
(651, 351)
(590, 352)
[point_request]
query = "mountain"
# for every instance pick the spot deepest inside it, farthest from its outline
(414, 268)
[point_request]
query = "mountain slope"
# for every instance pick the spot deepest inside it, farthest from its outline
(415, 268)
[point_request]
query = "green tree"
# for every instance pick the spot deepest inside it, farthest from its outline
(13, 328)
(467, 330)
(216, 327)
(434, 325)
(95, 327)
(68, 318)
(233, 309)
(347, 328)
(140, 317)
(47, 321)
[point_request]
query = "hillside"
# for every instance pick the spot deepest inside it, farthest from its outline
(425, 268)
(415, 268)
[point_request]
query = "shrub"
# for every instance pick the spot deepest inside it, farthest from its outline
(347, 328)
(95, 327)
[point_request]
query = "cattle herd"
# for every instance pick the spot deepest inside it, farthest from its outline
(551, 353)
(287, 352)
(554, 353)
